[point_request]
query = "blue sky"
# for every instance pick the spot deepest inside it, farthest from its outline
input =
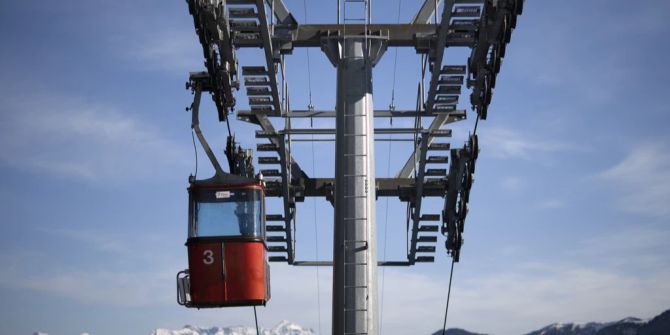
(569, 215)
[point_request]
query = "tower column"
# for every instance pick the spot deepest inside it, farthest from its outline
(354, 248)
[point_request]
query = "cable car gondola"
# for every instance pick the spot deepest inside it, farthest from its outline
(226, 247)
(227, 254)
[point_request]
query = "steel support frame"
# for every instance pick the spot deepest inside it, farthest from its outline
(438, 122)
(268, 49)
(441, 44)
(282, 13)
(416, 210)
(426, 11)
(216, 30)
(287, 200)
(427, 38)
(266, 125)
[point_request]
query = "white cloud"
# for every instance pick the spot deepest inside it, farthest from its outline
(520, 298)
(83, 140)
(507, 143)
(642, 180)
(175, 51)
(124, 288)
(641, 244)
(159, 41)
(119, 244)
(523, 299)
(136, 274)
(100, 241)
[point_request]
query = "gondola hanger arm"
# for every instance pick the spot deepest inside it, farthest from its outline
(195, 125)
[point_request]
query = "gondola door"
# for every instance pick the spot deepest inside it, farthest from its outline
(207, 269)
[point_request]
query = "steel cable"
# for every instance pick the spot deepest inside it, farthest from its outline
(388, 173)
(310, 107)
(256, 319)
(446, 311)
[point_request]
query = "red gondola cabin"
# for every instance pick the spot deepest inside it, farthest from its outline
(227, 254)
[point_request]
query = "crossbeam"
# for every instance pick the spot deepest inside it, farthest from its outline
(399, 35)
(331, 131)
(458, 113)
(404, 188)
(330, 263)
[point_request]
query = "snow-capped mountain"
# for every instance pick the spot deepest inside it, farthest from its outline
(282, 328)
(628, 326)
(659, 325)
(455, 331)
(590, 328)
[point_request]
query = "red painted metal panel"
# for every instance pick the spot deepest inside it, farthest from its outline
(205, 263)
(238, 279)
(245, 265)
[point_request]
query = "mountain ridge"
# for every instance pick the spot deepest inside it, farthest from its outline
(282, 328)
(658, 325)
